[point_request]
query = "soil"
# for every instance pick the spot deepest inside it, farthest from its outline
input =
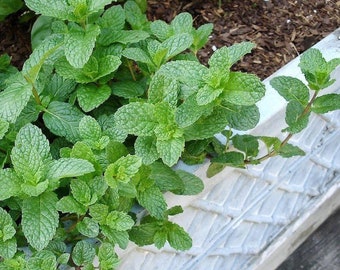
(281, 29)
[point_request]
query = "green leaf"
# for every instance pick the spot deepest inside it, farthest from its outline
(136, 118)
(4, 125)
(110, 36)
(79, 44)
(115, 150)
(99, 212)
(247, 144)
(207, 94)
(44, 259)
(201, 36)
(326, 103)
(145, 148)
(14, 98)
(166, 179)
(68, 167)
(160, 238)
(295, 117)
(170, 150)
(237, 51)
(127, 89)
(138, 55)
(40, 219)
(243, 89)
(192, 184)
(116, 237)
(30, 154)
(63, 120)
(88, 227)
(89, 128)
(289, 150)
(8, 249)
(58, 9)
(161, 29)
(119, 221)
(182, 23)
(134, 15)
(113, 17)
(233, 159)
(10, 184)
(69, 205)
(177, 44)
(91, 96)
(7, 230)
(207, 126)
(144, 234)
(122, 170)
(291, 89)
(83, 253)
(151, 197)
(178, 238)
(98, 5)
(107, 256)
(272, 143)
(82, 192)
(59, 88)
(163, 88)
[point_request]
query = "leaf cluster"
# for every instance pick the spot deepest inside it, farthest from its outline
(106, 104)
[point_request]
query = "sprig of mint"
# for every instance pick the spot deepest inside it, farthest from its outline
(103, 108)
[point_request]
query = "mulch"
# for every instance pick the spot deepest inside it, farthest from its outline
(281, 29)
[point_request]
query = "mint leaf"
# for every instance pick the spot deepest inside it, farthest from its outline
(163, 88)
(14, 98)
(107, 256)
(10, 184)
(44, 259)
(116, 237)
(160, 238)
(243, 89)
(110, 36)
(63, 120)
(192, 184)
(291, 89)
(82, 192)
(58, 9)
(326, 103)
(166, 179)
(30, 154)
(122, 170)
(59, 88)
(272, 143)
(289, 150)
(295, 117)
(68, 204)
(40, 219)
(182, 23)
(79, 44)
(119, 221)
(201, 36)
(241, 117)
(113, 18)
(237, 51)
(99, 212)
(138, 55)
(178, 238)
(146, 148)
(98, 5)
(8, 249)
(89, 128)
(207, 126)
(233, 159)
(134, 15)
(68, 167)
(247, 144)
(91, 96)
(127, 89)
(150, 197)
(161, 29)
(4, 126)
(6, 226)
(88, 227)
(136, 118)
(144, 234)
(207, 94)
(170, 150)
(177, 44)
(83, 253)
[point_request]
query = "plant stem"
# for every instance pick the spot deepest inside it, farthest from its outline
(289, 136)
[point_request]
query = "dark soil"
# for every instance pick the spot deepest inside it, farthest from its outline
(281, 29)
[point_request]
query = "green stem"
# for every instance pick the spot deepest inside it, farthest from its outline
(290, 135)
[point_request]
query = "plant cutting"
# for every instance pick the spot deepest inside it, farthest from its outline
(105, 106)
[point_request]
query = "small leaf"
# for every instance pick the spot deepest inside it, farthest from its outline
(58, 9)
(291, 89)
(177, 237)
(8, 249)
(144, 234)
(177, 44)
(192, 184)
(116, 237)
(81, 192)
(295, 117)
(88, 227)
(233, 159)
(40, 219)
(63, 120)
(119, 221)
(247, 144)
(79, 44)
(207, 94)
(182, 23)
(108, 258)
(145, 148)
(170, 150)
(134, 16)
(99, 212)
(9, 183)
(160, 238)
(91, 96)
(201, 36)
(136, 118)
(166, 179)
(127, 89)
(289, 150)
(83, 253)
(326, 103)
(162, 88)
(110, 36)
(68, 204)
(113, 18)
(160, 29)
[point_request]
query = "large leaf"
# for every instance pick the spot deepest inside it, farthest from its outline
(59, 9)
(326, 103)
(40, 219)
(91, 96)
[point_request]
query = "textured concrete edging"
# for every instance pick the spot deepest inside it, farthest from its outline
(254, 218)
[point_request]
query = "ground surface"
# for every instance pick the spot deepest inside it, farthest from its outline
(281, 28)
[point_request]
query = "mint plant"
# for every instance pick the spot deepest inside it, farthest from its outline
(106, 104)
